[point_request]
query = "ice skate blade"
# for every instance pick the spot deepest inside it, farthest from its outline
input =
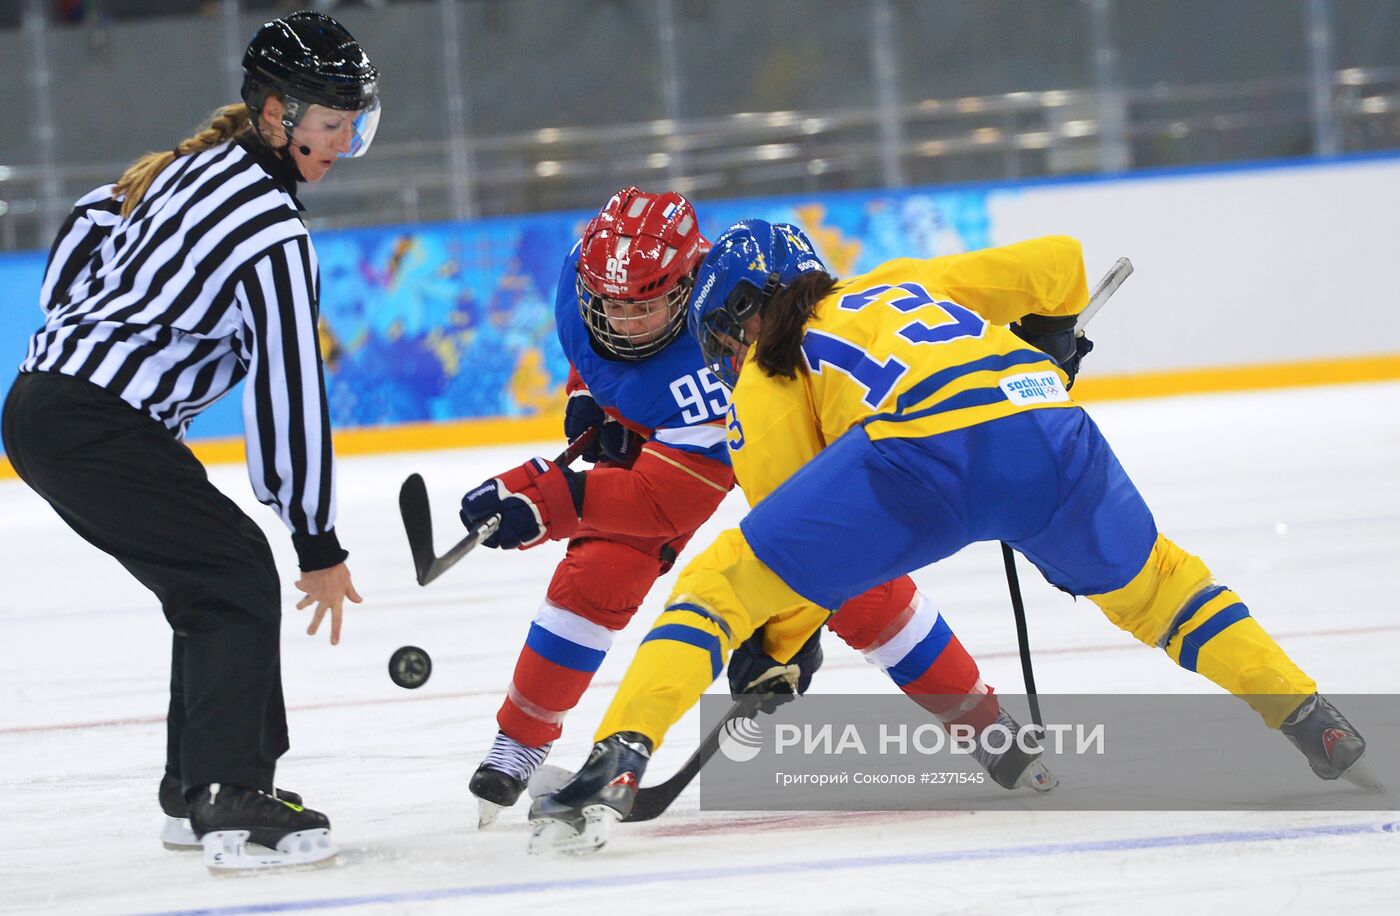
(229, 852)
(551, 837)
(486, 813)
(1360, 775)
(178, 836)
(1037, 776)
(547, 780)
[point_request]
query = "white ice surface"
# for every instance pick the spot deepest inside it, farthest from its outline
(1291, 496)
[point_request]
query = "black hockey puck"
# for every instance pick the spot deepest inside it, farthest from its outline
(410, 667)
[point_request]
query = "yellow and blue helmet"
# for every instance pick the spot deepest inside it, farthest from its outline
(749, 263)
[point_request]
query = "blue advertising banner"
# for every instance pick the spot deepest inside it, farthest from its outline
(455, 321)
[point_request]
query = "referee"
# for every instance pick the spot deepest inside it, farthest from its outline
(192, 273)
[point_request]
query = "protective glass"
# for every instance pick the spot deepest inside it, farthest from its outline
(320, 127)
(366, 123)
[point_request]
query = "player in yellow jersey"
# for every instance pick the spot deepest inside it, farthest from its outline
(881, 423)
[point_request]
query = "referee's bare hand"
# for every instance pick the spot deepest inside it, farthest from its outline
(327, 589)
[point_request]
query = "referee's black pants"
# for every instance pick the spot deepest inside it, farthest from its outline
(124, 483)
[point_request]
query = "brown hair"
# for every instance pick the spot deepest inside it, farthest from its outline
(225, 124)
(784, 318)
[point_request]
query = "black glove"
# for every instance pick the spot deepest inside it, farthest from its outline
(1055, 337)
(751, 670)
(615, 442)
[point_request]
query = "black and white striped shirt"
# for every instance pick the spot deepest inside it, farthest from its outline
(212, 278)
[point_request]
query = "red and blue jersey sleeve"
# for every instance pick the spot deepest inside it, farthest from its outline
(683, 471)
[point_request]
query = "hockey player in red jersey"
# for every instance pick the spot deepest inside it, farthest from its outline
(660, 469)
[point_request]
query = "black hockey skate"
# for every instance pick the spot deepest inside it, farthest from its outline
(1014, 767)
(1333, 746)
(578, 818)
(243, 829)
(503, 775)
(177, 834)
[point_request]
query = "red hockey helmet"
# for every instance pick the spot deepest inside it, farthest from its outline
(636, 264)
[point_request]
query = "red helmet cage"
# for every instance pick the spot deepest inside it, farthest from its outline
(640, 247)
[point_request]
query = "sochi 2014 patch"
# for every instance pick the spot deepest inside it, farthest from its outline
(1034, 388)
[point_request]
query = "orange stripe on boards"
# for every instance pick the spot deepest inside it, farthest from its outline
(419, 437)
(1220, 379)
(422, 437)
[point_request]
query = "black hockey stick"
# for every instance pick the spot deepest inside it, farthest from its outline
(1023, 639)
(418, 519)
(1106, 287)
(653, 800)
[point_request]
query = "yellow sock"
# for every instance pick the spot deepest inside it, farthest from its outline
(1174, 603)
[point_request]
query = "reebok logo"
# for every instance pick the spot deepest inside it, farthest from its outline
(704, 291)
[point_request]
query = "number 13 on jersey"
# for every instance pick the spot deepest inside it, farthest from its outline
(950, 321)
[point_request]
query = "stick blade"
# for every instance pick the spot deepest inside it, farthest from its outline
(418, 525)
(652, 801)
(439, 565)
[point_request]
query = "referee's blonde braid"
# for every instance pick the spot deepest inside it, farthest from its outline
(225, 124)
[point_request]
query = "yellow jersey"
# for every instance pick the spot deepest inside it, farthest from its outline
(913, 348)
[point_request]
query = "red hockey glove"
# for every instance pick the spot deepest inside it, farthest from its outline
(538, 500)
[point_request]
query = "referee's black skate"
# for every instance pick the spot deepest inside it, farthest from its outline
(1333, 746)
(579, 817)
(177, 834)
(503, 775)
(243, 829)
(1013, 767)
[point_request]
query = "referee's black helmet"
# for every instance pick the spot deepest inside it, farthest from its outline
(308, 58)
